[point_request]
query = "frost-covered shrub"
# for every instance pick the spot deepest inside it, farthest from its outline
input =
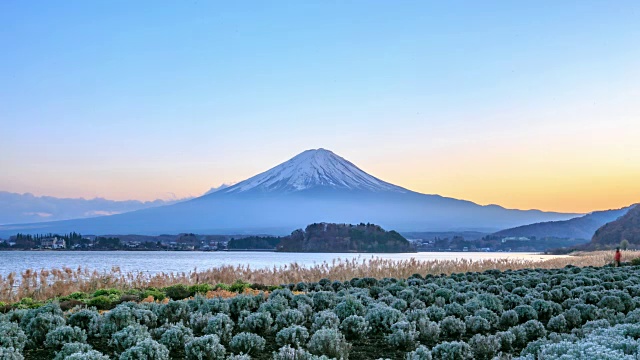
(10, 354)
(289, 353)
(526, 313)
(306, 310)
(507, 340)
(148, 350)
(290, 317)
(354, 327)
(52, 308)
(85, 319)
(64, 334)
(573, 318)
(206, 347)
(241, 303)
(477, 325)
(611, 302)
(488, 315)
(558, 324)
(452, 328)
(421, 353)
(72, 348)
(329, 342)
(89, 355)
(325, 319)
(220, 325)
(544, 309)
(175, 337)
(174, 312)
(258, 322)
(239, 357)
(399, 304)
(39, 326)
(484, 347)
(198, 322)
(117, 319)
(129, 337)
(145, 317)
(428, 331)
(456, 310)
(452, 350)
(348, 307)
(403, 335)
(323, 300)
(294, 335)
(11, 336)
(247, 343)
(436, 313)
(274, 306)
(381, 318)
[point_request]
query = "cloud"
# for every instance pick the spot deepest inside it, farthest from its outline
(101, 213)
(39, 214)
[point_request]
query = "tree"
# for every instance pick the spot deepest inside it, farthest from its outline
(624, 244)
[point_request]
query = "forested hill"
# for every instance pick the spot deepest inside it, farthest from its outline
(625, 228)
(326, 237)
(581, 227)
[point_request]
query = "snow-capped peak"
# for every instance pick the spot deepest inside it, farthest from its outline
(316, 168)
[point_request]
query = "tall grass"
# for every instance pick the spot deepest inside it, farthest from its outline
(46, 284)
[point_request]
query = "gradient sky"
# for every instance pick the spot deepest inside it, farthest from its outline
(526, 104)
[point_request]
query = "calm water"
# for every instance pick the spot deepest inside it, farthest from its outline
(164, 261)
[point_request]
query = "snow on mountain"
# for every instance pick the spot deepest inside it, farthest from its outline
(316, 168)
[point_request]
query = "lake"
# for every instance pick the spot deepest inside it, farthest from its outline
(173, 261)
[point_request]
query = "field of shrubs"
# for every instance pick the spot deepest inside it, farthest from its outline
(568, 313)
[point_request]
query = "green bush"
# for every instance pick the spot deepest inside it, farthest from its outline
(177, 292)
(101, 302)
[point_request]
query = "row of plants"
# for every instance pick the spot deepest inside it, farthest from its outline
(106, 299)
(530, 313)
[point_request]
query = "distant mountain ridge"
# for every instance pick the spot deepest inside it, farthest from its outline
(626, 227)
(27, 208)
(312, 187)
(582, 227)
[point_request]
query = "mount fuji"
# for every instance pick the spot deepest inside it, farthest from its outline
(314, 186)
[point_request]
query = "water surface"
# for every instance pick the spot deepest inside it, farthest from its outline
(174, 261)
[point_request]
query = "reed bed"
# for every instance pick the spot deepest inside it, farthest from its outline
(47, 284)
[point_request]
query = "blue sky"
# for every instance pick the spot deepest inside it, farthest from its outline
(522, 103)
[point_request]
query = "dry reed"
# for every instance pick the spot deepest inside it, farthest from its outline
(46, 284)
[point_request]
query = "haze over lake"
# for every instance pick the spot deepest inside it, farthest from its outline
(172, 262)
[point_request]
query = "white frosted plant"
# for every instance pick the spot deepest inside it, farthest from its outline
(39, 327)
(247, 343)
(10, 354)
(148, 350)
(290, 317)
(325, 320)
(11, 336)
(329, 342)
(295, 336)
(72, 348)
(421, 353)
(89, 355)
(220, 325)
(354, 327)
(176, 336)
(403, 335)
(206, 347)
(57, 337)
(129, 337)
(257, 322)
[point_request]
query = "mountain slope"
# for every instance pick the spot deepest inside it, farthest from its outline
(311, 170)
(625, 228)
(581, 227)
(315, 186)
